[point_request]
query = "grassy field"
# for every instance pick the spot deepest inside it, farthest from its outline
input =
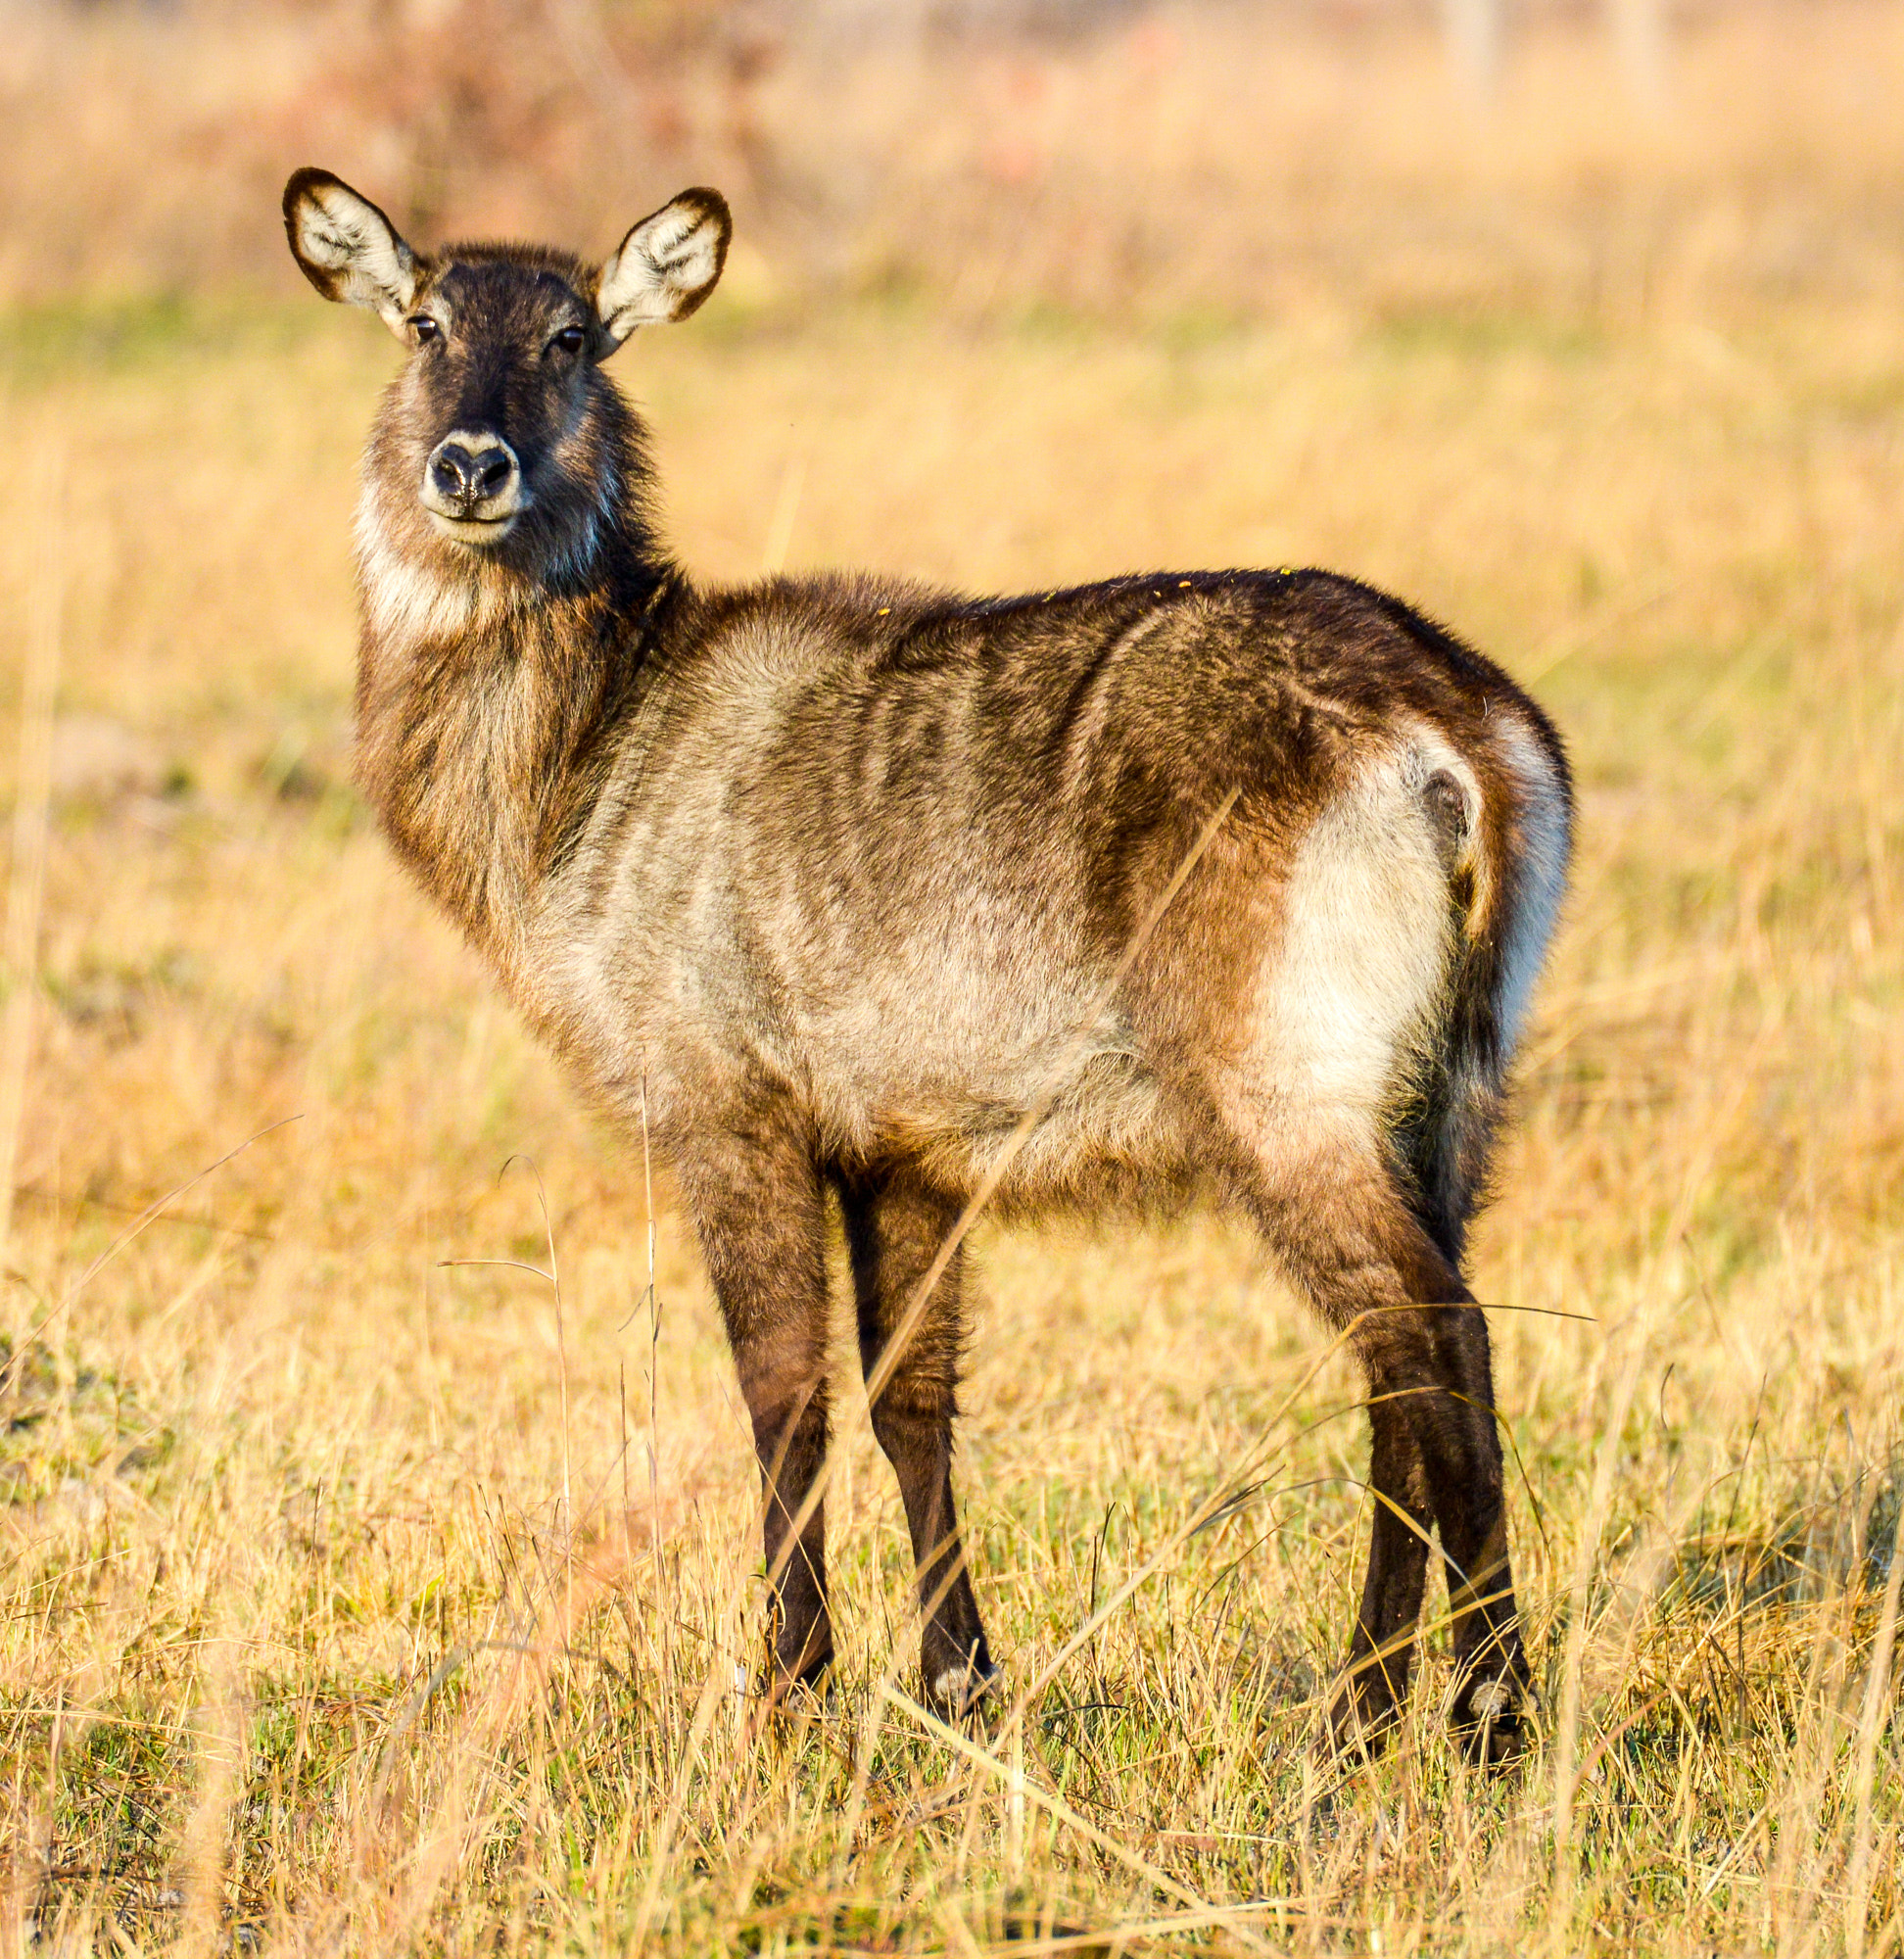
(357, 1599)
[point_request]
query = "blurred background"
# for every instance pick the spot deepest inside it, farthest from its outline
(1196, 159)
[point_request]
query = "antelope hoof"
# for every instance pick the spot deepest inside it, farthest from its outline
(785, 1703)
(805, 1694)
(1489, 1722)
(962, 1689)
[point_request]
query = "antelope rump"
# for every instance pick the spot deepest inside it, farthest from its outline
(1231, 885)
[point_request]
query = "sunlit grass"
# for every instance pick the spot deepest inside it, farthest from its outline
(301, 1643)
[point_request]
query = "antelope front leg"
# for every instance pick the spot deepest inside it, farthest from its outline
(758, 1204)
(894, 1230)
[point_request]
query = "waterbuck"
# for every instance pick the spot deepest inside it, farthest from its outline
(1234, 883)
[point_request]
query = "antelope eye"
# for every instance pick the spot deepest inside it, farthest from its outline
(570, 340)
(424, 327)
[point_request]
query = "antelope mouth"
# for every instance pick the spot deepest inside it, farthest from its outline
(472, 530)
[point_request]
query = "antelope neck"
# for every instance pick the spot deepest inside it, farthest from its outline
(479, 718)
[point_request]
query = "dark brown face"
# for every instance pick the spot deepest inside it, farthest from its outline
(499, 438)
(499, 422)
(502, 368)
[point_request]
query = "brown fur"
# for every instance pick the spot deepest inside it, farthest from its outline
(836, 874)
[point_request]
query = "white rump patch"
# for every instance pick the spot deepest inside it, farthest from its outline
(1360, 968)
(1545, 843)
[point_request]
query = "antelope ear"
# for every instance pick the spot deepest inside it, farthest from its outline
(348, 248)
(666, 265)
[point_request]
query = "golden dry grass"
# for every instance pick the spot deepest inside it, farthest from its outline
(357, 1601)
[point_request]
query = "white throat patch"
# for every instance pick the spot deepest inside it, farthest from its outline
(406, 601)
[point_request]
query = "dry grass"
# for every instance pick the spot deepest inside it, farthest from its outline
(325, 1629)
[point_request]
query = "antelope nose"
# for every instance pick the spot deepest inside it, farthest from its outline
(470, 473)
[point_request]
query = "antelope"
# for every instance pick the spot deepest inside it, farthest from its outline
(1225, 884)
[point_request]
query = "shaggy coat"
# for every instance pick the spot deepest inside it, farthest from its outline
(1232, 882)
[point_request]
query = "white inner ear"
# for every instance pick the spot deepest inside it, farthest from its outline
(666, 263)
(345, 235)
